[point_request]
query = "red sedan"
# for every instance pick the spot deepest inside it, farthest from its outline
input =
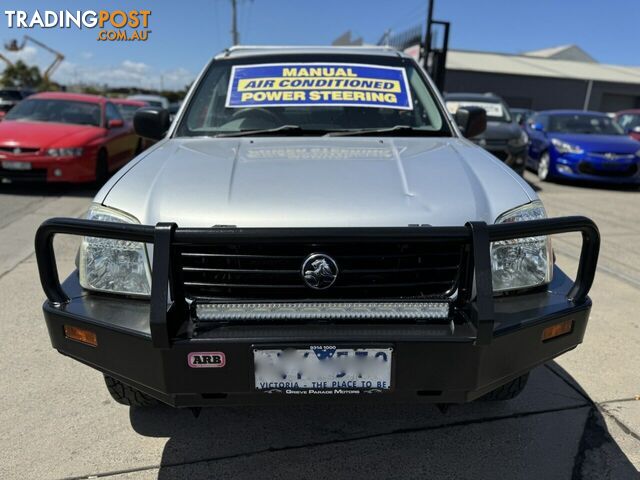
(630, 121)
(64, 137)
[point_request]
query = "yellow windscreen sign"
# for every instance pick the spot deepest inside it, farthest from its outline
(318, 84)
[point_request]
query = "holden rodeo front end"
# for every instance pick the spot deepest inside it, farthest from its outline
(315, 226)
(320, 325)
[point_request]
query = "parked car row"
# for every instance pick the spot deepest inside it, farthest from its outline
(559, 144)
(65, 137)
(68, 137)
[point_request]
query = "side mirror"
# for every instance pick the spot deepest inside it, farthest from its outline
(151, 122)
(115, 123)
(537, 127)
(471, 120)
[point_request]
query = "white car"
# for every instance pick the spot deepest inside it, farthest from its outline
(314, 225)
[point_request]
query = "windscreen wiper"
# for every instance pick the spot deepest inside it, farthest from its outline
(403, 130)
(283, 129)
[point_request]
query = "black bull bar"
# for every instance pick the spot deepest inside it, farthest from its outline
(168, 307)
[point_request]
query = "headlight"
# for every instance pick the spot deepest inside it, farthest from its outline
(524, 262)
(521, 141)
(564, 147)
(65, 152)
(115, 266)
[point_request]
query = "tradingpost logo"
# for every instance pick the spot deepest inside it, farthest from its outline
(112, 25)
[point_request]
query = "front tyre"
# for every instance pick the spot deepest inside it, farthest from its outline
(126, 395)
(544, 165)
(508, 390)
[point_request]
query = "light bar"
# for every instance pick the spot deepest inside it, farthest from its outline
(323, 311)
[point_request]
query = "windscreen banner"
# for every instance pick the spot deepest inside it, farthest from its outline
(318, 84)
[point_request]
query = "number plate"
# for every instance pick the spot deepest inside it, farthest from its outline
(323, 369)
(9, 165)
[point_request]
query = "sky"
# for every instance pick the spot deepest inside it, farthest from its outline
(186, 34)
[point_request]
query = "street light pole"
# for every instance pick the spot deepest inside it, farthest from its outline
(235, 36)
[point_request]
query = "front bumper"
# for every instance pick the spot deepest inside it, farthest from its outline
(592, 169)
(484, 343)
(43, 168)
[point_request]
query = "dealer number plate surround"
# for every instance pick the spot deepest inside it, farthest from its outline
(323, 369)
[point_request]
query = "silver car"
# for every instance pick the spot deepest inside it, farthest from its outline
(315, 226)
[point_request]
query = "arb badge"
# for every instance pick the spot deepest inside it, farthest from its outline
(206, 359)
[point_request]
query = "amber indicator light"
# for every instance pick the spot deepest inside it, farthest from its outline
(81, 335)
(557, 330)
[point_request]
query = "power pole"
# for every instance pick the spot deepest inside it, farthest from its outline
(426, 48)
(235, 36)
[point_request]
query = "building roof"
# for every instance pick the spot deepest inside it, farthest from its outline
(563, 52)
(540, 67)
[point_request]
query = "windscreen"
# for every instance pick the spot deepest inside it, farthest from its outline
(584, 124)
(58, 111)
(127, 111)
(317, 95)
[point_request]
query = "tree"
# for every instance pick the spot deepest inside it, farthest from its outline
(22, 76)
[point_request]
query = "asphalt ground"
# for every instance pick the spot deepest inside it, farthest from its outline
(579, 417)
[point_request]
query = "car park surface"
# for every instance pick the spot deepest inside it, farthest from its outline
(579, 414)
(64, 137)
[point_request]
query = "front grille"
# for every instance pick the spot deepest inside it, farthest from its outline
(366, 271)
(21, 151)
(34, 175)
(627, 171)
(612, 156)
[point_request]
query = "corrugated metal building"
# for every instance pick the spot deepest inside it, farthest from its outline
(562, 77)
(558, 77)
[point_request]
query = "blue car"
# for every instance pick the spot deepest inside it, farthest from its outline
(581, 145)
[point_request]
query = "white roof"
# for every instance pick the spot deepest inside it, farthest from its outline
(254, 50)
(540, 67)
(563, 52)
